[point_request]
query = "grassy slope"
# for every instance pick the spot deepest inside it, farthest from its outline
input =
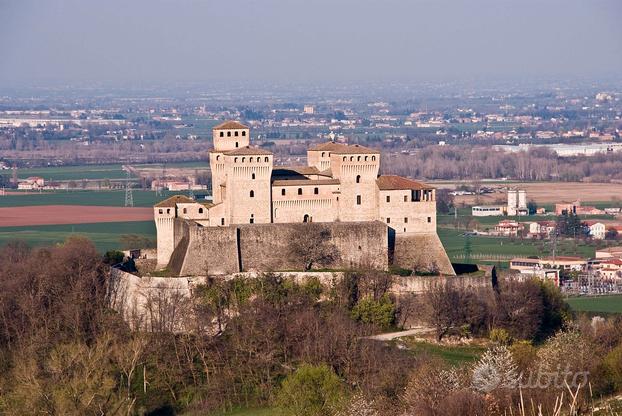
(452, 354)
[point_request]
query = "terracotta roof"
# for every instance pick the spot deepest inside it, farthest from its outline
(295, 170)
(230, 125)
(340, 148)
(244, 151)
(173, 201)
(302, 182)
(393, 182)
(327, 172)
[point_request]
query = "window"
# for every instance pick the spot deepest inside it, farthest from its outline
(429, 219)
(222, 221)
(252, 218)
(235, 160)
(243, 133)
(217, 157)
(366, 157)
(299, 191)
(222, 134)
(228, 134)
(405, 198)
(358, 178)
(253, 176)
(373, 158)
(267, 159)
(283, 191)
(358, 159)
(160, 211)
(344, 158)
(388, 198)
(200, 210)
(236, 144)
(168, 210)
(388, 220)
(185, 210)
(252, 194)
(322, 154)
(243, 159)
(405, 220)
(316, 191)
(351, 158)
(358, 200)
(236, 133)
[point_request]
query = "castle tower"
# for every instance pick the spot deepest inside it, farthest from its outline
(357, 168)
(164, 214)
(248, 173)
(522, 199)
(227, 136)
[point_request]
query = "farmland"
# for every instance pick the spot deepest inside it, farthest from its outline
(105, 236)
(101, 198)
(597, 304)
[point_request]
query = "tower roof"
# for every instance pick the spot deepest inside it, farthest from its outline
(174, 200)
(230, 125)
(394, 183)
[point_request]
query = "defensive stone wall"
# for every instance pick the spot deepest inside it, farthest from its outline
(265, 247)
(423, 252)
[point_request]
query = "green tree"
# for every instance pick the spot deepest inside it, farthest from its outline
(311, 390)
(379, 312)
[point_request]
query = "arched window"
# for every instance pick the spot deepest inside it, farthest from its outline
(267, 159)
(235, 160)
(222, 134)
(316, 191)
(351, 158)
(322, 154)
(299, 191)
(185, 210)
(243, 159)
(306, 218)
(200, 210)
(168, 210)
(228, 134)
(283, 191)
(358, 159)
(344, 158)
(373, 158)
(217, 157)
(243, 133)
(366, 158)
(252, 194)
(236, 133)
(161, 211)
(253, 176)
(358, 178)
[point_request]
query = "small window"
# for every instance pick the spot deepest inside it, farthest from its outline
(358, 200)
(373, 158)
(236, 144)
(358, 178)
(429, 219)
(405, 220)
(358, 159)
(253, 176)
(243, 159)
(200, 210)
(243, 133)
(405, 198)
(366, 157)
(344, 158)
(185, 210)
(299, 191)
(267, 159)
(228, 134)
(236, 133)
(388, 198)
(316, 191)
(351, 158)
(161, 211)
(322, 154)
(252, 220)
(222, 134)
(283, 191)
(217, 157)
(168, 210)
(222, 221)
(388, 220)
(235, 160)
(252, 194)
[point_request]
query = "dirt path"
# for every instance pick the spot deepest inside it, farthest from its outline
(419, 330)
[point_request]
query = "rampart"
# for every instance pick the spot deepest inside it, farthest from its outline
(266, 247)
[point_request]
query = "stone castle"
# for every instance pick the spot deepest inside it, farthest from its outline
(374, 220)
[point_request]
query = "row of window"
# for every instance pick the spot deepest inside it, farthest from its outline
(359, 158)
(250, 159)
(235, 133)
(185, 210)
(406, 220)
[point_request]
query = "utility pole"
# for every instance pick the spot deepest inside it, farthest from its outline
(129, 197)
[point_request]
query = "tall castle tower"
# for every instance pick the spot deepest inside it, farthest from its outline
(227, 136)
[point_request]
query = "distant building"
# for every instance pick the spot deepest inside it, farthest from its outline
(560, 262)
(507, 228)
(31, 183)
(542, 229)
(517, 205)
(309, 109)
(576, 208)
(597, 229)
(487, 211)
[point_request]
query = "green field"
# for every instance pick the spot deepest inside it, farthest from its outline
(105, 235)
(454, 355)
(604, 304)
(455, 244)
(67, 173)
(101, 198)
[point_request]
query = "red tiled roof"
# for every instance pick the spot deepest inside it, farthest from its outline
(230, 125)
(174, 200)
(393, 182)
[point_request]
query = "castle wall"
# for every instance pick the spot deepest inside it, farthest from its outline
(292, 207)
(224, 250)
(422, 252)
(404, 215)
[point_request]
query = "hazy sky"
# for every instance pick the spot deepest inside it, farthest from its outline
(168, 41)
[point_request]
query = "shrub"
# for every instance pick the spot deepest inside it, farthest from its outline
(113, 257)
(311, 390)
(379, 312)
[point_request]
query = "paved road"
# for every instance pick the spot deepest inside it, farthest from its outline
(393, 335)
